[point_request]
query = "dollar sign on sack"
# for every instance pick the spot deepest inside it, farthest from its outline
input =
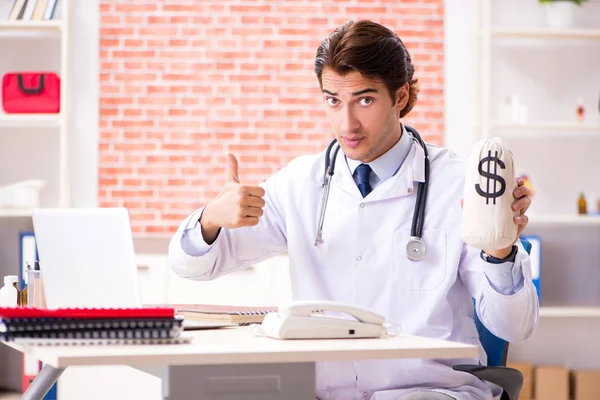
(495, 162)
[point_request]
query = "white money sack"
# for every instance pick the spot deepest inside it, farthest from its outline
(488, 218)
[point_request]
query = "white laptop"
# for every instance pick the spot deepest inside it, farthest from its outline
(87, 259)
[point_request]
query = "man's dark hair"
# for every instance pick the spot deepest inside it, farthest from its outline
(374, 51)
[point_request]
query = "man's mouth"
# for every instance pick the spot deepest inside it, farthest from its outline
(351, 142)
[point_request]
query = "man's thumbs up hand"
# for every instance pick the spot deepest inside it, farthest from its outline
(232, 168)
(237, 205)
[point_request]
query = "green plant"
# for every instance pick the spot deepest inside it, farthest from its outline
(578, 2)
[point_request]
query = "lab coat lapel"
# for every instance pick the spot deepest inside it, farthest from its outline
(404, 182)
(342, 177)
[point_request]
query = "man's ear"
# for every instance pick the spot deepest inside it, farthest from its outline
(402, 97)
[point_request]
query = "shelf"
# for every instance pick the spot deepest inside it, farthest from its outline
(563, 220)
(14, 213)
(20, 120)
(573, 312)
(587, 127)
(545, 33)
(30, 25)
(10, 395)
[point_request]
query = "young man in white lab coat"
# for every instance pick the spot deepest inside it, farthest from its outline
(366, 77)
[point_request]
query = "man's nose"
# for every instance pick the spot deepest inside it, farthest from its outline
(350, 123)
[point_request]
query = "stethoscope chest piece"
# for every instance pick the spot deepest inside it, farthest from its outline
(415, 248)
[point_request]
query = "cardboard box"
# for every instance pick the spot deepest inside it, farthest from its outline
(585, 385)
(527, 371)
(551, 382)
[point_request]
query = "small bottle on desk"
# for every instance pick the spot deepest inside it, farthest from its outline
(9, 294)
(15, 282)
(34, 282)
(25, 291)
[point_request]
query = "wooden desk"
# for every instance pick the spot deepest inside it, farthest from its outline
(234, 362)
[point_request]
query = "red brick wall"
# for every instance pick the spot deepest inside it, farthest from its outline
(182, 82)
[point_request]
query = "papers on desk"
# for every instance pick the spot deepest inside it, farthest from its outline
(90, 326)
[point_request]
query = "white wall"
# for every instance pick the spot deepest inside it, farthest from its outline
(459, 69)
(84, 121)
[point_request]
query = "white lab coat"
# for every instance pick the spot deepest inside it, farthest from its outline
(363, 262)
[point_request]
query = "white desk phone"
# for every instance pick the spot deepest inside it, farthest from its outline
(313, 320)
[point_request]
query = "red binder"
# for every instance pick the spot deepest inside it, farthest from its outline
(142, 312)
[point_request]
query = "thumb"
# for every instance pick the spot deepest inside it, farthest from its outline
(232, 168)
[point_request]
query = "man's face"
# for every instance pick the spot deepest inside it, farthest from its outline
(362, 115)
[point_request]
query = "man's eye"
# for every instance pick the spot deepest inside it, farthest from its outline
(365, 101)
(332, 101)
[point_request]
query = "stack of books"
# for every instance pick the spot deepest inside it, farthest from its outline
(152, 325)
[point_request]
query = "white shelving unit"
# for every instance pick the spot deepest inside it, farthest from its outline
(486, 125)
(548, 69)
(14, 31)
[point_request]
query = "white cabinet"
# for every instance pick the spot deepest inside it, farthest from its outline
(152, 277)
(265, 284)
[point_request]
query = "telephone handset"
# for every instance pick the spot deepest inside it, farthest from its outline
(314, 320)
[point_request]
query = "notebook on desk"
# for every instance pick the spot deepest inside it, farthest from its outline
(89, 325)
(231, 315)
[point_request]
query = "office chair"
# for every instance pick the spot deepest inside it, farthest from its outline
(496, 371)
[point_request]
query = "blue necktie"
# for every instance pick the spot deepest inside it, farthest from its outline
(363, 171)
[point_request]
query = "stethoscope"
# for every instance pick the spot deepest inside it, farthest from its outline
(415, 248)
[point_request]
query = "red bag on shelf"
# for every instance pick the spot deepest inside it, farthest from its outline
(31, 92)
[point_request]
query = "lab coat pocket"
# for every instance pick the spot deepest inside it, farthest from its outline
(429, 272)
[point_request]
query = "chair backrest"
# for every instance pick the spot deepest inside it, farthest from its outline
(495, 348)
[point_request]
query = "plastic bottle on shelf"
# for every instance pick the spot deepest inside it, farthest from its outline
(9, 295)
(582, 205)
(580, 112)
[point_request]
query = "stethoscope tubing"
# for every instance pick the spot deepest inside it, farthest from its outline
(419, 212)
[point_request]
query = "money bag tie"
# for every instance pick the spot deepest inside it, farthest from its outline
(487, 219)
